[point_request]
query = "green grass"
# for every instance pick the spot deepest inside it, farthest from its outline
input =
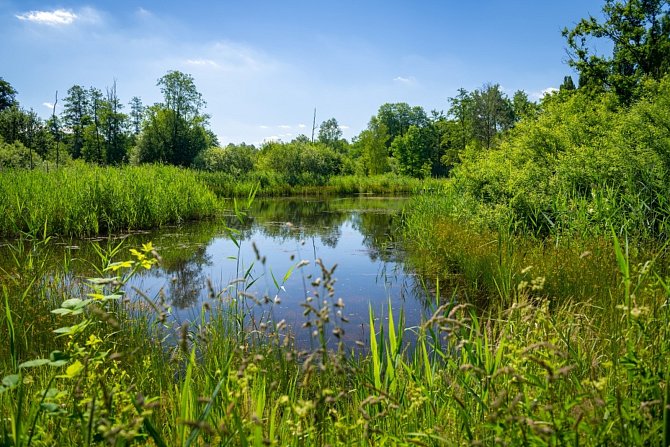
(273, 185)
(541, 367)
(530, 341)
(87, 200)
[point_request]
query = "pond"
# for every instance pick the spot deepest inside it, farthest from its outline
(273, 255)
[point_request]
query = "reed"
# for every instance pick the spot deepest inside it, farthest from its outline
(86, 200)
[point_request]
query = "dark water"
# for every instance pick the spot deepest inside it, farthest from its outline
(357, 235)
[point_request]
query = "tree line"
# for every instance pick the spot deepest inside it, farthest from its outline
(399, 138)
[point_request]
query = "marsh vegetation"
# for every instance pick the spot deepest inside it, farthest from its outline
(517, 296)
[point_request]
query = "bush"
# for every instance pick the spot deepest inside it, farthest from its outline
(584, 163)
(233, 159)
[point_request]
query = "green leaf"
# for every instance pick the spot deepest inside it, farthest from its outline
(72, 303)
(11, 381)
(73, 370)
(51, 407)
(57, 356)
(72, 330)
(288, 273)
(34, 363)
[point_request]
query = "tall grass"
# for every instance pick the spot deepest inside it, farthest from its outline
(274, 185)
(86, 200)
(532, 370)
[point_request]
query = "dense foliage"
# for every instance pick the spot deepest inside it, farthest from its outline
(584, 163)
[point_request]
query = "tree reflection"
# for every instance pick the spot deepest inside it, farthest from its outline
(187, 279)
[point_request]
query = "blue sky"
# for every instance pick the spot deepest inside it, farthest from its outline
(262, 66)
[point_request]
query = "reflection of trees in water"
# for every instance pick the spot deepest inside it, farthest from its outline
(186, 278)
(378, 233)
(297, 219)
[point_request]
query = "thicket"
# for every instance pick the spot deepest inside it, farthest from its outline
(585, 163)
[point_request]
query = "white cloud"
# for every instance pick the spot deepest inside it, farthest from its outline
(57, 17)
(202, 63)
(549, 91)
(262, 126)
(301, 126)
(61, 17)
(541, 94)
(48, 105)
(284, 126)
(343, 127)
(405, 80)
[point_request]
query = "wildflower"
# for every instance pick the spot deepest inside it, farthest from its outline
(93, 341)
(119, 265)
(137, 254)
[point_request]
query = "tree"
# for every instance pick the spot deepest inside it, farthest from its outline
(522, 107)
(639, 31)
(93, 141)
(174, 131)
(137, 110)
(76, 117)
(568, 84)
(233, 159)
(12, 124)
(399, 117)
(493, 113)
(412, 150)
(330, 133)
(7, 95)
(462, 112)
(180, 95)
(372, 142)
(113, 123)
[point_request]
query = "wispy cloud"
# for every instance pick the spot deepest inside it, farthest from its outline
(284, 126)
(263, 126)
(301, 126)
(343, 127)
(57, 17)
(48, 105)
(203, 63)
(405, 80)
(142, 12)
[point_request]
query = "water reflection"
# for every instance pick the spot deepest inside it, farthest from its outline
(356, 234)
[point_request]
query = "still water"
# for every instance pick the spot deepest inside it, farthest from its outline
(272, 255)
